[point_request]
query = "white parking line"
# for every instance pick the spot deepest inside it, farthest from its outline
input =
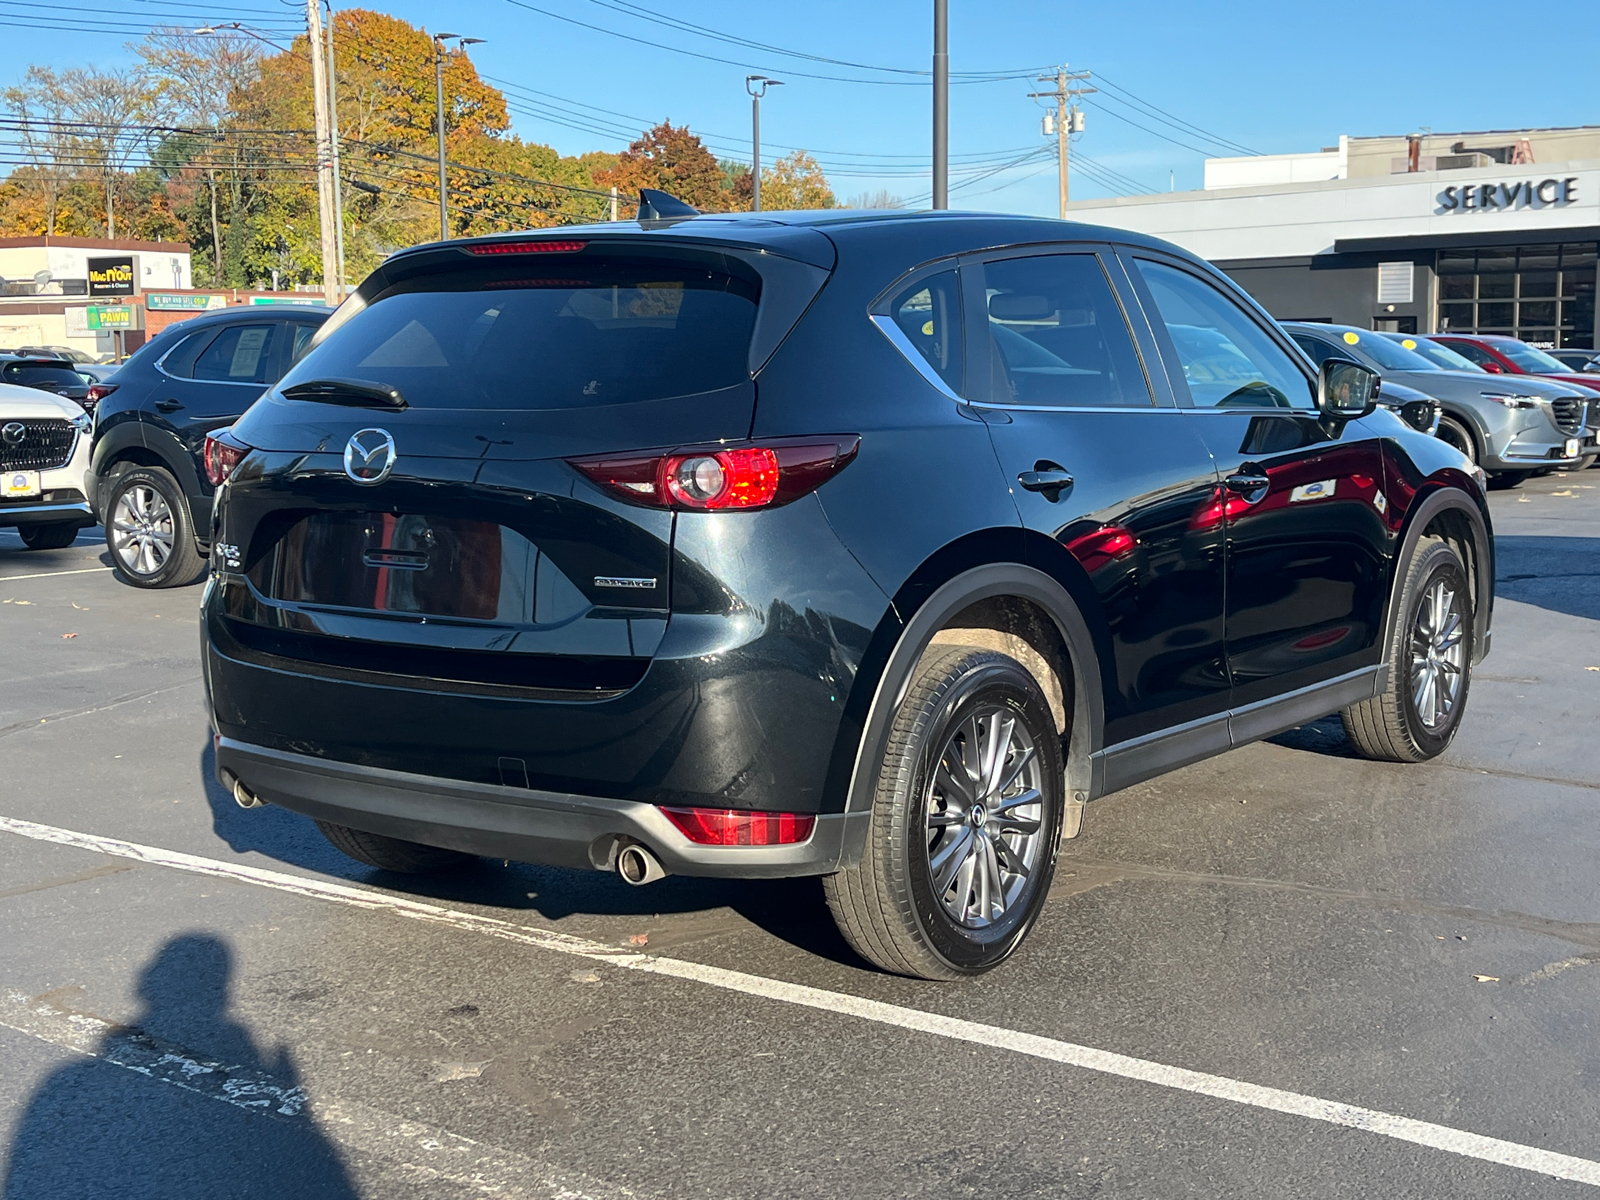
(52, 574)
(1350, 1116)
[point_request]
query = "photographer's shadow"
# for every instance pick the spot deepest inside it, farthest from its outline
(182, 1103)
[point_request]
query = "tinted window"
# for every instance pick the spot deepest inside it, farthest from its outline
(239, 354)
(626, 331)
(1057, 336)
(1531, 359)
(1316, 348)
(929, 314)
(302, 341)
(1475, 354)
(41, 377)
(1228, 360)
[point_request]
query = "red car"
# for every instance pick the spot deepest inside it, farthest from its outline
(1501, 355)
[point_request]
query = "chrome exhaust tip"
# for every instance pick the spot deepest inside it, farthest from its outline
(638, 866)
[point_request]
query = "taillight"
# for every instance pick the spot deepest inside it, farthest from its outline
(724, 477)
(223, 454)
(737, 827)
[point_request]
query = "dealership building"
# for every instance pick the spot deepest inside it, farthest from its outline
(1461, 232)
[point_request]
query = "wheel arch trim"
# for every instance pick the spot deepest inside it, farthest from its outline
(978, 583)
(1447, 497)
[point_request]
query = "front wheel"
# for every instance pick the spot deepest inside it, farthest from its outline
(149, 530)
(57, 535)
(965, 823)
(1430, 665)
(1458, 435)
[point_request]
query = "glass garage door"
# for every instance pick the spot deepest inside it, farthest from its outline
(1541, 294)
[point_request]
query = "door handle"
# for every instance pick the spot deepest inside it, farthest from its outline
(1046, 478)
(167, 406)
(1250, 482)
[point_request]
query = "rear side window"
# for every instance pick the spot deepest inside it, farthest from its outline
(239, 354)
(929, 314)
(574, 334)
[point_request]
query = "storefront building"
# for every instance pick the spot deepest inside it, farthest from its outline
(1463, 232)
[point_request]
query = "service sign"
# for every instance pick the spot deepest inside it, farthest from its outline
(1481, 197)
(111, 276)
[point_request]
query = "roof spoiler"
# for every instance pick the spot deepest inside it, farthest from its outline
(657, 205)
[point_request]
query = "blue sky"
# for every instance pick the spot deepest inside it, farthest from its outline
(1271, 78)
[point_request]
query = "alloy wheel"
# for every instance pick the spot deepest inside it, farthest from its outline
(1437, 655)
(984, 811)
(142, 529)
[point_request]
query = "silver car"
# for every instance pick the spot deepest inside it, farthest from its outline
(1511, 426)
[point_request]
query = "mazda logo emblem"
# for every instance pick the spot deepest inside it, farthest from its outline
(12, 432)
(369, 456)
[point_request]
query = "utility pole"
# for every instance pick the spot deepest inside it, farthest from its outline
(941, 104)
(319, 108)
(1068, 120)
(439, 40)
(757, 86)
(333, 139)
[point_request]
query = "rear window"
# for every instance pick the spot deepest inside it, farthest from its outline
(572, 334)
(30, 376)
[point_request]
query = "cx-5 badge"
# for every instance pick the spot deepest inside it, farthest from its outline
(369, 456)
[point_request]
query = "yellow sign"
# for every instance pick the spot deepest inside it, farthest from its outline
(1352, 338)
(1409, 344)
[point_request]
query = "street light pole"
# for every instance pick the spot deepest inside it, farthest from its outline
(757, 86)
(438, 80)
(941, 104)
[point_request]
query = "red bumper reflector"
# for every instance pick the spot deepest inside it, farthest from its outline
(740, 827)
(544, 246)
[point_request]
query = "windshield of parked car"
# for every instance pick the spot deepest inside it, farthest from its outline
(574, 334)
(1441, 356)
(1532, 360)
(1386, 355)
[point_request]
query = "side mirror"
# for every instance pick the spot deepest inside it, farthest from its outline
(1493, 368)
(1346, 389)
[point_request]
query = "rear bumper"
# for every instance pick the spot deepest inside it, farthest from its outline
(45, 514)
(550, 828)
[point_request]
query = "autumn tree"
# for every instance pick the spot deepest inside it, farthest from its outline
(795, 182)
(674, 160)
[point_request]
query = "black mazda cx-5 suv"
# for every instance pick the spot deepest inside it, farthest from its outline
(862, 546)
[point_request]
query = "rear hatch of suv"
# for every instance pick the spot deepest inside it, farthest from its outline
(409, 516)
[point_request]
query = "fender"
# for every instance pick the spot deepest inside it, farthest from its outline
(1446, 497)
(122, 440)
(1470, 419)
(969, 587)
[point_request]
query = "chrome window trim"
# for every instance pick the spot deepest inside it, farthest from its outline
(912, 355)
(1072, 408)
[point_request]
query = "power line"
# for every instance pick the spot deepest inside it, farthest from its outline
(1176, 121)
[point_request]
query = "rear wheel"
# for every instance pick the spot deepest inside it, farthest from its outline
(965, 824)
(149, 530)
(55, 536)
(392, 854)
(1459, 436)
(1430, 665)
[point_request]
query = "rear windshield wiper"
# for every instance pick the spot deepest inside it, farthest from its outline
(359, 393)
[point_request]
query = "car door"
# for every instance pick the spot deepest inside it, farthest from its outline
(207, 382)
(1303, 505)
(1108, 470)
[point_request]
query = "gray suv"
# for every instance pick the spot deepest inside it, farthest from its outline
(1509, 426)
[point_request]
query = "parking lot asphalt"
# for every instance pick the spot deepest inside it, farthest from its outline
(1282, 972)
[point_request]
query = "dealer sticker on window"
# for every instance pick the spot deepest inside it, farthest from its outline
(1321, 490)
(19, 485)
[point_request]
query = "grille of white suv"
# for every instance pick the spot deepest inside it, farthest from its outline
(42, 445)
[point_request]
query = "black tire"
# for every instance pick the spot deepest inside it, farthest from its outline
(1458, 435)
(57, 535)
(392, 854)
(1504, 481)
(1396, 726)
(888, 906)
(149, 530)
